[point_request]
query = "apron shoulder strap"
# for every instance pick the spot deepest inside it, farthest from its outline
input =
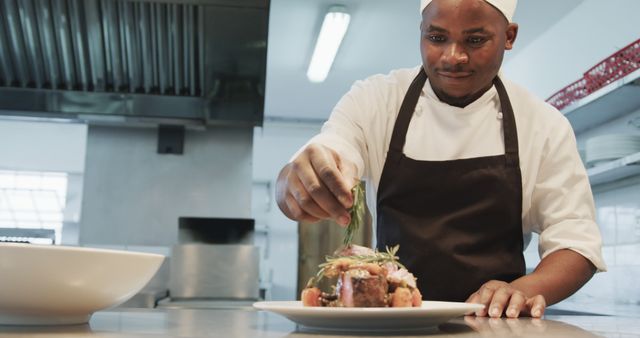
(406, 111)
(509, 125)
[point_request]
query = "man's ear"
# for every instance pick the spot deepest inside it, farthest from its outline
(512, 34)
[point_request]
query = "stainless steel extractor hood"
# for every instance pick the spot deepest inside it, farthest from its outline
(191, 62)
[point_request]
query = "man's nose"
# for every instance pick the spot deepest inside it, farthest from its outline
(455, 54)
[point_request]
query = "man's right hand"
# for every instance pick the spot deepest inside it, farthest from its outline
(316, 185)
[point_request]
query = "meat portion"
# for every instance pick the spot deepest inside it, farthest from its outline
(344, 289)
(402, 277)
(363, 277)
(402, 297)
(416, 298)
(311, 297)
(354, 250)
(370, 292)
(359, 288)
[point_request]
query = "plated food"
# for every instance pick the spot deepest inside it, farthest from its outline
(362, 277)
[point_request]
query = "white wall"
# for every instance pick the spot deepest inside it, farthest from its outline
(42, 146)
(134, 196)
(273, 146)
(592, 31)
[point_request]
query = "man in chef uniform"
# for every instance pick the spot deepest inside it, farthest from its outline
(462, 165)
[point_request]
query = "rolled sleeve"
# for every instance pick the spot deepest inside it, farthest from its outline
(581, 236)
(563, 206)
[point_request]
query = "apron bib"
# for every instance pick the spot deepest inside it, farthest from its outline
(458, 222)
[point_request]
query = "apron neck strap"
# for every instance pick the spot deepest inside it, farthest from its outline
(508, 125)
(406, 111)
(410, 101)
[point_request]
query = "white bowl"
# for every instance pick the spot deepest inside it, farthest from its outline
(50, 285)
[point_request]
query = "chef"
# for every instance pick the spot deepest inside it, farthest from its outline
(462, 164)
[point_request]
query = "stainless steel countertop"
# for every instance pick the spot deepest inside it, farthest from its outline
(246, 322)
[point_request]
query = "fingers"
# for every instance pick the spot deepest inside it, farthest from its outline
(516, 304)
(537, 305)
(313, 187)
(296, 212)
(501, 298)
(324, 163)
(304, 200)
(499, 301)
(315, 198)
(485, 295)
(287, 186)
(474, 298)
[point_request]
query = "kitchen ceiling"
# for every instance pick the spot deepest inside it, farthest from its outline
(383, 35)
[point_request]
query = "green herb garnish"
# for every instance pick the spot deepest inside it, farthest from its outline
(357, 213)
(377, 257)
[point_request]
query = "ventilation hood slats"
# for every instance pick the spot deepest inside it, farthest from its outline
(63, 42)
(16, 43)
(95, 45)
(113, 51)
(45, 33)
(102, 45)
(6, 69)
(160, 60)
(31, 41)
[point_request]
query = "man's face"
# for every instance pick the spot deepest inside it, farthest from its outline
(462, 45)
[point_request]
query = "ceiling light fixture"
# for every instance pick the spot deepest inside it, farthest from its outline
(334, 27)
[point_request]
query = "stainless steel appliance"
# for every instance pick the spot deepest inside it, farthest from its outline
(214, 271)
(214, 260)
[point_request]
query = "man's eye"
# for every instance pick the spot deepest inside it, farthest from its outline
(476, 40)
(436, 38)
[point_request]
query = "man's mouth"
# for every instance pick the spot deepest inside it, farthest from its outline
(454, 75)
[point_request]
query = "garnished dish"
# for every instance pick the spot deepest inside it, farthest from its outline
(360, 289)
(363, 277)
(360, 276)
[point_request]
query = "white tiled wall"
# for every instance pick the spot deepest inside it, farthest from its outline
(618, 215)
(619, 219)
(622, 229)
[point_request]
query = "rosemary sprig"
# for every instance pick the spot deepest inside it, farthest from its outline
(377, 257)
(357, 213)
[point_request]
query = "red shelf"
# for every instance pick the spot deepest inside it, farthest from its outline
(613, 68)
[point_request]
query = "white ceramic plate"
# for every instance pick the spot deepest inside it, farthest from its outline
(605, 148)
(369, 319)
(51, 284)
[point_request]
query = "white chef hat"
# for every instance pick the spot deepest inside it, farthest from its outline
(507, 7)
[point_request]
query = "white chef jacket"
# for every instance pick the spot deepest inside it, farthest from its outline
(557, 202)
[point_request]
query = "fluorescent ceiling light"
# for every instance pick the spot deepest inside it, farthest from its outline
(333, 29)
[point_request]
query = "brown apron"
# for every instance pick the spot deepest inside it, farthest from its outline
(458, 222)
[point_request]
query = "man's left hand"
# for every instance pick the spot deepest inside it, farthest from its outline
(500, 297)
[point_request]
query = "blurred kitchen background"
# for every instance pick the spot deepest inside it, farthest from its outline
(161, 126)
